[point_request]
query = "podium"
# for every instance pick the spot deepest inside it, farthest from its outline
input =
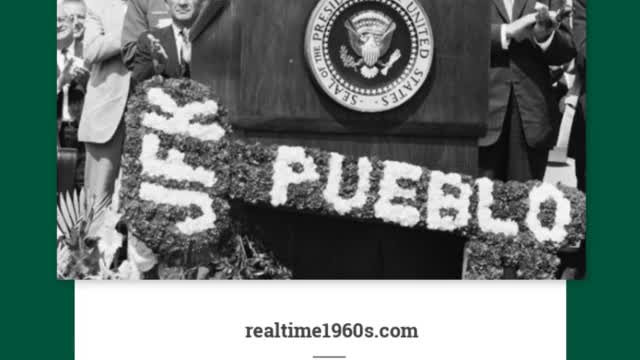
(252, 54)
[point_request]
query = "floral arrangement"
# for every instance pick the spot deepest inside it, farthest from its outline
(175, 169)
(181, 168)
(518, 224)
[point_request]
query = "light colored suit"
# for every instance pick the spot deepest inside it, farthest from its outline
(101, 125)
(108, 85)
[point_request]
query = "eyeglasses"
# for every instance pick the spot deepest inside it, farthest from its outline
(71, 18)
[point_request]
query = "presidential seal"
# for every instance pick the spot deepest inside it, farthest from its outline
(369, 55)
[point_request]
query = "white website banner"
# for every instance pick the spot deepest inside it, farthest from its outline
(499, 320)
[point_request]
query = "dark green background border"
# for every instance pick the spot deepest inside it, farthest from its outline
(602, 311)
(37, 310)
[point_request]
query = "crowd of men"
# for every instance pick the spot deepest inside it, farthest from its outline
(106, 47)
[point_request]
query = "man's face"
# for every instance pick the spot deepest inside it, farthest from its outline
(184, 12)
(77, 11)
(65, 28)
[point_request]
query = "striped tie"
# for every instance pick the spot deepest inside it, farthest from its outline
(185, 53)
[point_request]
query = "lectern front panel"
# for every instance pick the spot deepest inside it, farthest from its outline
(254, 56)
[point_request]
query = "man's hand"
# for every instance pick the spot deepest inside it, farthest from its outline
(66, 75)
(73, 71)
(521, 28)
(80, 75)
(158, 54)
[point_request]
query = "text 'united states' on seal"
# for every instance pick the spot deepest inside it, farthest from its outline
(369, 55)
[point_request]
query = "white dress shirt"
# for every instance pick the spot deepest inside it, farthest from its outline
(508, 4)
(183, 45)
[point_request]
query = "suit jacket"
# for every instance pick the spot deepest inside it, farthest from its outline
(580, 38)
(209, 11)
(524, 67)
(75, 101)
(206, 64)
(142, 66)
(108, 85)
(577, 141)
(142, 15)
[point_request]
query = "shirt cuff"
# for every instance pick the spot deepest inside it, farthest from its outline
(545, 44)
(503, 38)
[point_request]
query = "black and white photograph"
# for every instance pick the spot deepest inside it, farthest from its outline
(321, 139)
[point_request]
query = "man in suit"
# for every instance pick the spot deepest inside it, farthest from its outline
(101, 125)
(167, 51)
(577, 141)
(72, 74)
(141, 16)
(574, 260)
(75, 12)
(525, 40)
(71, 89)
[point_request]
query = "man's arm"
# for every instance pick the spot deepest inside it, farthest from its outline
(142, 61)
(98, 45)
(561, 50)
(497, 38)
(518, 30)
(135, 23)
(580, 33)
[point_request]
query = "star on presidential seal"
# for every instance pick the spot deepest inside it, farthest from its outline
(369, 55)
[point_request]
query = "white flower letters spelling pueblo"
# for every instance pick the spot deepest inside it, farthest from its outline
(395, 203)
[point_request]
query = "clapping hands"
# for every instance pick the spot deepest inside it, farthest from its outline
(73, 70)
(80, 74)
(158, 54)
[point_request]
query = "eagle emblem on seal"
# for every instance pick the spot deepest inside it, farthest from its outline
(370, 35)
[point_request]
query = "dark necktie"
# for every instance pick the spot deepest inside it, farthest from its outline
(185, 54)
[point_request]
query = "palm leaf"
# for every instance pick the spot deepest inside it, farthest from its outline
(94, 213)
(76, 203)
(62, 225)
(71, 207)
(64, 210)
(98, 207)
